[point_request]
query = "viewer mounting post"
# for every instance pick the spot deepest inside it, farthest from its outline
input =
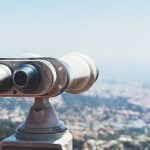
(43, 78)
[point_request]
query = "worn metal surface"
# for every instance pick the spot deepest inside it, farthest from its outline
(47, 78)
(42, 123)
(63, 143)
(82, 72)
(42, 130)
(27, 148)
(73, 73)
(5, 78)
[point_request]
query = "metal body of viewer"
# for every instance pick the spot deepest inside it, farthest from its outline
(42, 78)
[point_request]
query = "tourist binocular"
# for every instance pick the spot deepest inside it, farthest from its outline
(46, 77)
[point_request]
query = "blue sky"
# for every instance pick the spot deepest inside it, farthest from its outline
(116, 33)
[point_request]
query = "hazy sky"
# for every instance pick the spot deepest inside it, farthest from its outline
(116, 33)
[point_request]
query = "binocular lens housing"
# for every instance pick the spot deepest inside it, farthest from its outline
(26, 77)
(47, 77)
(82, 72)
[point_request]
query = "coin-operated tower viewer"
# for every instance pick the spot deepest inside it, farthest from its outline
(43, 78)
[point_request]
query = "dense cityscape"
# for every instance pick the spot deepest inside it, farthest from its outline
(110, 116)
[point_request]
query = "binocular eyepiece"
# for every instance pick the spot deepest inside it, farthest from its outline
(5, 77)
(42, 76)
(26, 77)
